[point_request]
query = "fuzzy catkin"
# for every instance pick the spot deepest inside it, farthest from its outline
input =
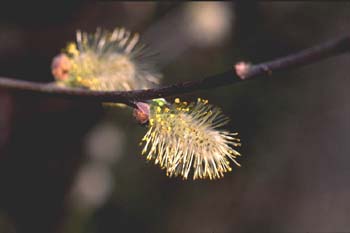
(183, 136)
(106, 61)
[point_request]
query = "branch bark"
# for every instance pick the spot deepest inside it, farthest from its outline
(304, 57)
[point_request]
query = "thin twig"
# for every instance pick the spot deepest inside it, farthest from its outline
(302, 58)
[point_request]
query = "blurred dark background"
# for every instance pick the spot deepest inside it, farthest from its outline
(73, 167)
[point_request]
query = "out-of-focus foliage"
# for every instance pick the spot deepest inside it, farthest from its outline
(84, 165)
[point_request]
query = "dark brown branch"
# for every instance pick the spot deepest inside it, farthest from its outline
(302, 58)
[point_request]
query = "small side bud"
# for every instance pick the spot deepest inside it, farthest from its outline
(242, 68)
(141, 113)
(60, 67)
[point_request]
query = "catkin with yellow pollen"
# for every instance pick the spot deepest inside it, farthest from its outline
(105, 61)
(182, 136)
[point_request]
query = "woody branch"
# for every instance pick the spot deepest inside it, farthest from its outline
(240, 72)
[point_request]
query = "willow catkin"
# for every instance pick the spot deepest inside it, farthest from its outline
(185, 136)
(105, 61)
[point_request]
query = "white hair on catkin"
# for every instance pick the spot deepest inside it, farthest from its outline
(182, 136)
(109, 61)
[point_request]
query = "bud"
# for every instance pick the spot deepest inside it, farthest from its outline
(60, 67)
(141, 113)
(242, 69)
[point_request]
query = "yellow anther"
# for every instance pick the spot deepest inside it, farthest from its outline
(72, 49)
